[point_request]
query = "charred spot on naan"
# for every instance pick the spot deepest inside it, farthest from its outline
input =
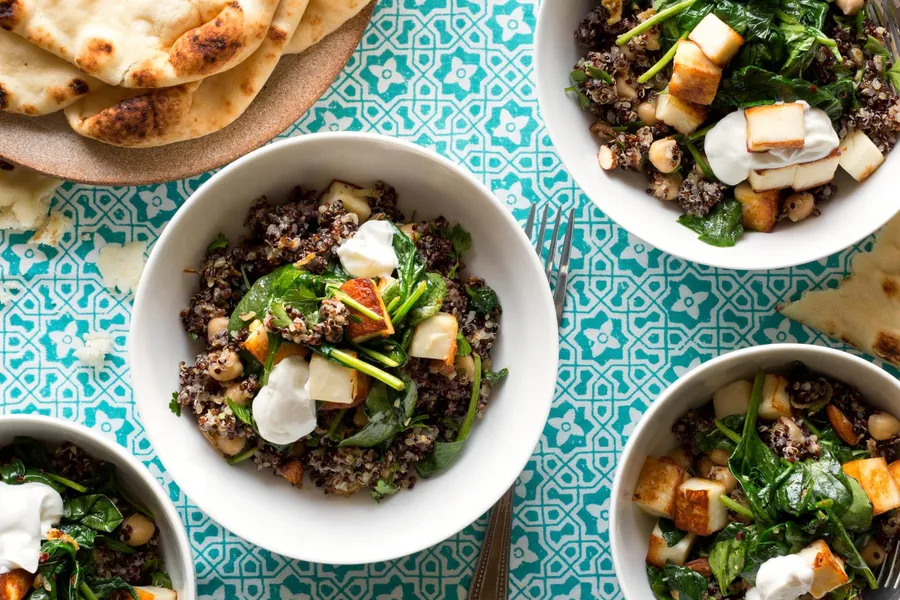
(277, 35)
(887, 346)
(11, 12)
(204, 50)
(4, 98)
(890, 288)
(5, 166)
(139, 118)
(96, 55)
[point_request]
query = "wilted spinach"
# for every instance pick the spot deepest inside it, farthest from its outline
(671, 534)
(96, 511)
(389, 411)
(715, 439)
(721, 227)
(754, 86)
(483, 299)
(286, 285)
(430, 302)
(728, 554)
(410, 269)
(689, 584)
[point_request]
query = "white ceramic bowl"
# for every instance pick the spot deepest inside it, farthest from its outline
(857, 211)
(306, 524)
(630, 527)
(174, 544)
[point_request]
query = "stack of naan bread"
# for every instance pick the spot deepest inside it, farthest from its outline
(142, 73)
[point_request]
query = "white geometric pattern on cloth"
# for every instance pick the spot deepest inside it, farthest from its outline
(453, 75)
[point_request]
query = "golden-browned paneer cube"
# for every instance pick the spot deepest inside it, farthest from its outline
(775, 127)
(718, 41)
(732, 399)
(894, 468)
(698, 506)
(151, 592)
(363, 328)
(350, 195)
(759, 210)
(775, 400)
(15, 584)
(659, 552)
(828, 568)
(331, 382)
(257, 344)
(657, 483)
(860, 157)
(675, 112)
(816, 173)
(435, 338)
(876, 480)
(763, 180)
(695, 78)
(722, 475)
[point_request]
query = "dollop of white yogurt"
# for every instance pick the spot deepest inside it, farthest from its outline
(370, 252)
(283, 410)
(782, 578)
(27, 513)
(726, 146)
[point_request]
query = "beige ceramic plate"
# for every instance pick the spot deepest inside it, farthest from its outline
(48, 145)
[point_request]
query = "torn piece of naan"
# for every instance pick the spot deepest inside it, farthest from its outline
(322, 18)
(143, 43)
(24, 197)
(34, 82)
(864, 310)
(148, 118)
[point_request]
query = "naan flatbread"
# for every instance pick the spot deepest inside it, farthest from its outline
(143, 43)
(322, 18)
(34, 82)
(864, 310)
(146, 118)
(24, 197)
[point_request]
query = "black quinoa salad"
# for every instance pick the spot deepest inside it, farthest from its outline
(740, 111)
(784, 487)
(342, 342)
(100, 542)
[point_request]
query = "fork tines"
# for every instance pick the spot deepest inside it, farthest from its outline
(562, 270)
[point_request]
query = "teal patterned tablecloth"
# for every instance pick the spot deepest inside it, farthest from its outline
(455, 76)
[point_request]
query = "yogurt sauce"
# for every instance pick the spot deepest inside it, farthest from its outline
(726, 146)
(27, 513)
(782, 578)
(283, 410)
(370, 252)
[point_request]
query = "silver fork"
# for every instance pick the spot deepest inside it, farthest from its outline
(888, 577)
(491, 578)
(884, 12)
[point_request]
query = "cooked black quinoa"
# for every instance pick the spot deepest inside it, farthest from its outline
(307, 234)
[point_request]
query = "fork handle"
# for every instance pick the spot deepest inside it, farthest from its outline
(491, 578)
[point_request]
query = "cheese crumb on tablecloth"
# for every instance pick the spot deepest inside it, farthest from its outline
(53, 230)
(7, 293)
(121, 266)
(96, 346)
(24, 197)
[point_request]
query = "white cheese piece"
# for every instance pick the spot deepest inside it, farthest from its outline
(349, 195)
(95, 348)
(435, 338)
(150, 592)
(24, 197)
(764, 180)
(283, 410)
(775, 127)
(330, 382)
(733, 399)
(683, 116)
(30, 510)
(828, 569)
(659, 552)
(718, 41)
(860, 157)
(53, 230)
(816, 173)
(775, 399)
(695, 78)
(782, 578)
(7, 294)
(121, 266)
(370, 252)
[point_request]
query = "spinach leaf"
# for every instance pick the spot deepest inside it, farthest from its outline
(795, 495)
(383, 488)
(382, 426)
(728, 554)
(175, 405)
(286, 285)
(754, 86)
(858, 516)
(430, 302)
(876, 48)
(842, 544)
(114, 544)
(893, 74)
(658, 583)
(161, 579)
(30, 451)
(463, 347)
(811, 13)
(93, 510)
(671, 534)
(483, 299)
(444, 453)
(410, 269)
(763, 544)
(220, 243)
(715, 439)
(85, 536)
(721, 227)
(689, 584)
(106, 588)
(801, 44)
(462, 239)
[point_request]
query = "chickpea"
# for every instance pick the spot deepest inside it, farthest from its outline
(465, 367)
(647, 112)
(666, 187)
(723, 475)
(216, 326)
(665, 155)
(625, 89)
(681, 458)
(719, 457)
(230, 446)
(237, 394)
(137, 530)
(873, 553)
(225, 365)
(705, 466)
(799, 206)
(883, 426)
(607, 158)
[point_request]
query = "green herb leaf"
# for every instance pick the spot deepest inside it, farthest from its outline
(221, 242)
(495, 377)
(82, 534)
(876, 48)
(161, 579)
(483, 299)
(671, 534)
(463, 348)
(114, 544)
(241, 413)
(382, 489)
(429, 304)
(599, 74)
(728, 554)
(578, 76)
(410, 269)
(721, 227)
(96, 511)
(715, 439)
(175, 405)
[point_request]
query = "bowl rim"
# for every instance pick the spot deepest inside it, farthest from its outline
(450, 527)
(687, 380)
(722, 260)
(170, 513)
